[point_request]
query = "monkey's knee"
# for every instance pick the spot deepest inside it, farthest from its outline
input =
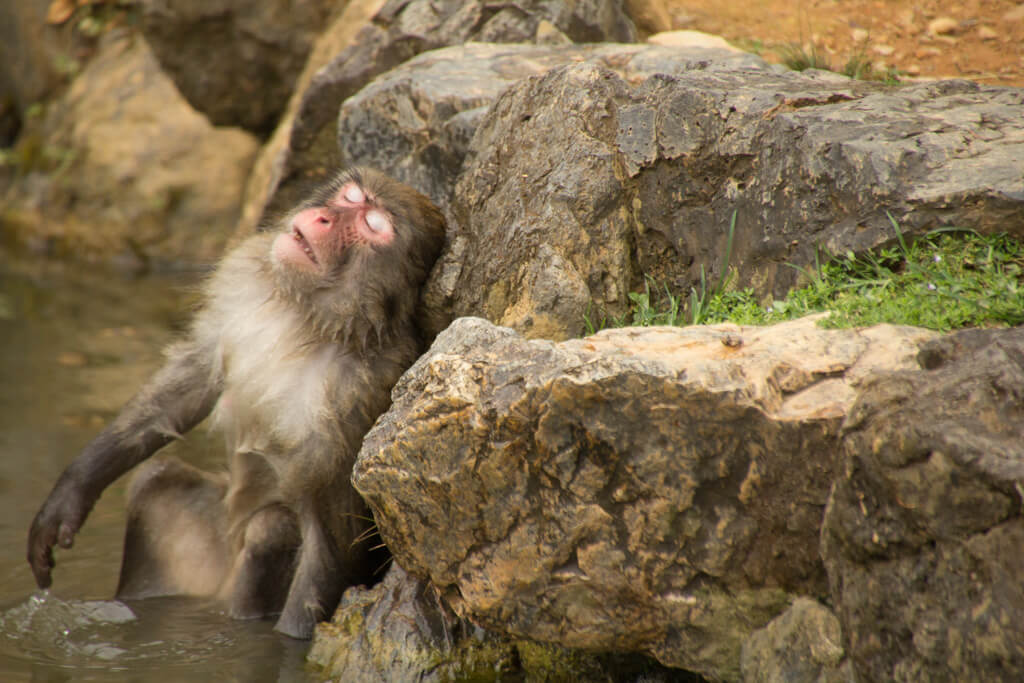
(265, 565)
(175, 540)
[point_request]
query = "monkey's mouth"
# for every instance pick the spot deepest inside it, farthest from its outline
(304, 245)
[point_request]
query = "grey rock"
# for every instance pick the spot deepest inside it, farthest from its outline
(644, 176)
(416, 121)
(399, 630)
(801, 645)
(400, 30)
(924, 529)
(403, 630)
(654, 490)
(235, 61)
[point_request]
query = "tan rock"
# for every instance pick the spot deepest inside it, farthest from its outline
(987, 32)
(691, 39)
(642, 488)
(943, 26)
(148, 177)
(650, 16)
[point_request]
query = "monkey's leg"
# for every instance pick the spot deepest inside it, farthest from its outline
(176, 537)
(264, 567)
(317, 585)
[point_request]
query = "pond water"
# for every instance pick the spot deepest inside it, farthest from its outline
(75, 344)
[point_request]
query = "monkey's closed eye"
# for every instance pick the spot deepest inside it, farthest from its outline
(378, 222)
(354, 194)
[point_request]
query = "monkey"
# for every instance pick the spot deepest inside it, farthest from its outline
(293, 352)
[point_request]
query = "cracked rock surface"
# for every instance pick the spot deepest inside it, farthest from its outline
(655, 490)
(924, 532)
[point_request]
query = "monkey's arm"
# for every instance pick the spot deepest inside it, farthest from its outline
(177, 398)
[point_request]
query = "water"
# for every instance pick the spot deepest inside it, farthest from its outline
(75, 344)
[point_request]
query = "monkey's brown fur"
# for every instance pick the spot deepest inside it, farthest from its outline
(301, 337)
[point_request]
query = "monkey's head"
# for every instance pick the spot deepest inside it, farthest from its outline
(355, 254)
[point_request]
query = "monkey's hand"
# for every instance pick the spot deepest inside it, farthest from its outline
(56, 523)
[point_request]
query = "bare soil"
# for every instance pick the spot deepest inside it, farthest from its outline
(982, 40)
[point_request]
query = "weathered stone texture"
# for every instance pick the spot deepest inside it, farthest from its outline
(924, 532)
(655, 490)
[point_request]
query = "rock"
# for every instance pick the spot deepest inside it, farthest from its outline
(37, 57)
(650, 16)
(924, 529)
(399, 630)
(27, 62)
(802, 645)
(139, 177)
(654, 490)
(30, 52)
(235, 61)
(416, 121)
(555, 215)
(689, 39)
(340, 35)
(943, 26)
(400, 30)
(987, 32)
(403, 630)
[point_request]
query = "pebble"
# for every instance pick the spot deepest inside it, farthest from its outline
(691, 39)
(859, 35)
(987, 33)
(884, 50)
(942, 26)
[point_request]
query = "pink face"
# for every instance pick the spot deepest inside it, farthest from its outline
(317, 236)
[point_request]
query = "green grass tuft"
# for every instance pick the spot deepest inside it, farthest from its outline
(948, 279)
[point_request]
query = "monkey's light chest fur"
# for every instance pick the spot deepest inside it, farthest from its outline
(276, 374)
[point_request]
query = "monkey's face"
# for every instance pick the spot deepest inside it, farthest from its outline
(318, 237)
(357, 252)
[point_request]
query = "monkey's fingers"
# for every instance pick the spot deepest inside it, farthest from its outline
(40, 558)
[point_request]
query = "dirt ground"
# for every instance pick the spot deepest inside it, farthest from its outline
(982, 40)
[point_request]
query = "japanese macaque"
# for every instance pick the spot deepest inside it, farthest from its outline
(300, 339)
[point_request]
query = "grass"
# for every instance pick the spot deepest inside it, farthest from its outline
(858, 65)
(948, 279)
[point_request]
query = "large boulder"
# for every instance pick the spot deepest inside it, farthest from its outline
(555, 213)
(129, 173)
(234, 60)
(416, 121)
(306, 150)
(653, 490)
(924, 532)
